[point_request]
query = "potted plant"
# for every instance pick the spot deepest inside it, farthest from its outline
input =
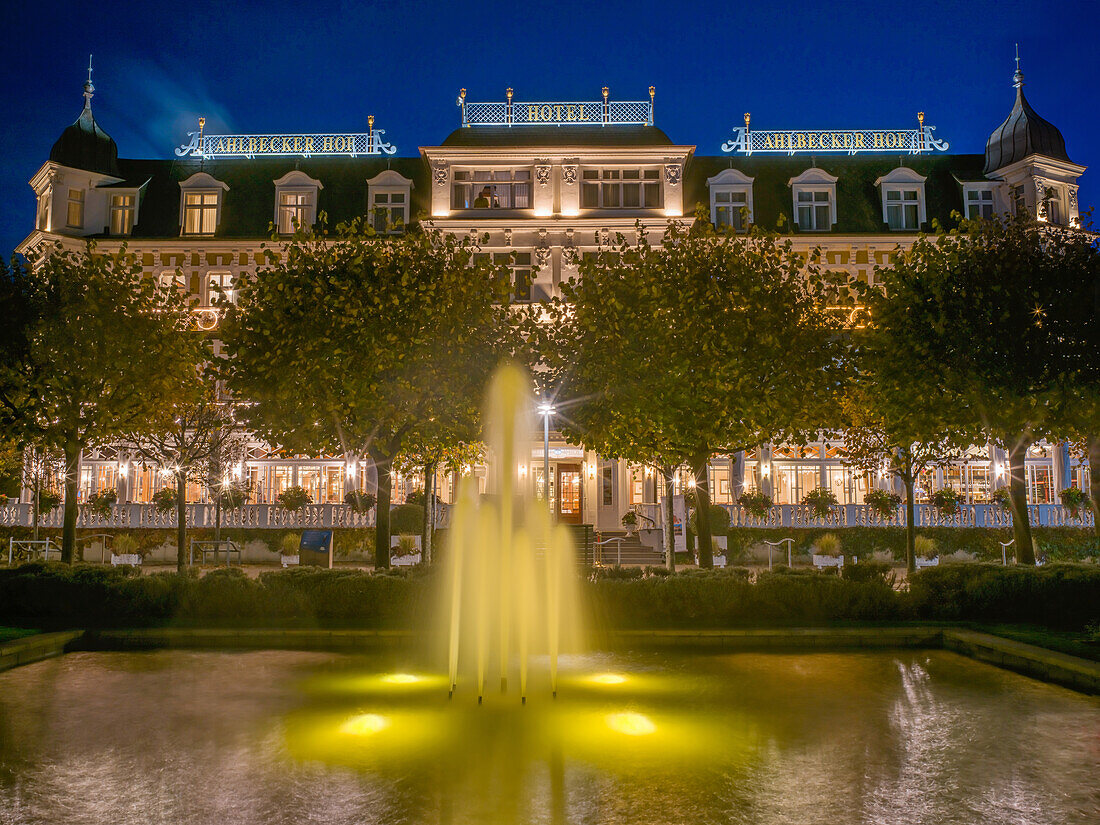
(756, 503)
(127, 550)
(101, 503)
(294, 498)
(48, 500)
(1072, 499)
(925, 551)
(630, 522)
(1002, 498)
(164, 499)
(820, 501)
(288, 549)
(945, 500)
(827, 551)
(234, 495)
(883, 503)
(359, 502)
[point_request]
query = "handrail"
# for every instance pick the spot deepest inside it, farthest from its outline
(771, 544)
(1004, 550)
(619, 548)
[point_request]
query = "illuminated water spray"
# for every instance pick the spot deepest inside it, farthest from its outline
(512, 587)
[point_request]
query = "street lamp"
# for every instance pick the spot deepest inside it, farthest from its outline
(546, 409)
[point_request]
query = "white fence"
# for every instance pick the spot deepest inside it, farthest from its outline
(198, 515)
(862, 515)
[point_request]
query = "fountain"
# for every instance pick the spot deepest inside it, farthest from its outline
(511, 593)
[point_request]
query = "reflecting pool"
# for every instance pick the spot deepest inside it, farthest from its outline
(292, 737)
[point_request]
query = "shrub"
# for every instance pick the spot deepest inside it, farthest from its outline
(1002, 498)
(630, 519)
(359, 502)
(407, 518)
(884, 503)
(828, 545)
(125, 544)
(1072, 499)
(406, 545)
(417, 497)
(820, 500)
(164, 499)
(48, 500)
(290, 544)
(867, 571)
(924, 547)
(294, 498)
(945, 500)
(719, 520)
(756, 503)
(233, 495)
(102, 502)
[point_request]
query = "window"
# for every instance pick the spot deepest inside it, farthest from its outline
(979, 204)
(730, 210)
(1054, 206)
(491, 189)
(606, 487)
(219, 287)
(621, 189)
(122, 214)
(388, 211)
(43, 221)
(74, 215)
(814, 211)
(293, 212)
(902, 209)
(519, 265)
(200, 213)
(174, 279)
(1018, 200)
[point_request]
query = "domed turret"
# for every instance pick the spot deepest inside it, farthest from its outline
(1023, 133)
(83, 145)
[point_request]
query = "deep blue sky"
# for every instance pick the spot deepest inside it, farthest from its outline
(320, 66)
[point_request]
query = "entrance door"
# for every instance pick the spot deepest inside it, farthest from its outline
(569, 502)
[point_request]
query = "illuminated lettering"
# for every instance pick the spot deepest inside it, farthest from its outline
(859, 140)
(263, 144)
(876, 140)
(545, 112)
(557, 113)
(811, 138)
(532, 114)
(252, 146)
(570, 112)
(801, 140)
(836, 140)
(309, 143)
(326, 143)
(297, 144)
(580, 114)
(287, 147)
(891, 140)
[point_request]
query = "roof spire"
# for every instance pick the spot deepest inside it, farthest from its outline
(89, 89)
(1018, 77)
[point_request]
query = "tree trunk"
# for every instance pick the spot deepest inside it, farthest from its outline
(702, 511)
(910, 525)
(181, 523)
(429, 513)
(1017, 481)
(38, 492)
(218, 518)
(1093, 443)
(382, 517)
(72, 485)
(669, 474)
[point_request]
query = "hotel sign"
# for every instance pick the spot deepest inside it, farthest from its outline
(251, 146)
(604, 112)
(846, 141)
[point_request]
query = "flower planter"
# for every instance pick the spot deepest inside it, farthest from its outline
(924, 562)
(126, 558)
(822, 562)
(289, 561)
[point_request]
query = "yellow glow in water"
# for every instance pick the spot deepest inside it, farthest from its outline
(631, 724)
(608, 679)
(400, 679)
(364, 724)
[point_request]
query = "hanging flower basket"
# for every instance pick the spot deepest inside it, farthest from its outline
(884, 503)
(756, 504)
(821, 501)
(1072, 499)
(946, 501)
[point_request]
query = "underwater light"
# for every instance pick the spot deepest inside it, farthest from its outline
(364, 724)
(400, 679)
(631, 724)
(607, 679)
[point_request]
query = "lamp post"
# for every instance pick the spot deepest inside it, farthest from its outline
(546, 409)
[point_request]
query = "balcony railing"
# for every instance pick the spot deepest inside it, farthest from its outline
(257, 516)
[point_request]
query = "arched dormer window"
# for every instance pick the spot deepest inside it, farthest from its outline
(814, 196)
(731, 199)
(388, 196)
(903, 203)
(201, 204)
(295, 202)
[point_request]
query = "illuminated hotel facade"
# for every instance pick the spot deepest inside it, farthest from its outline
(548, 182)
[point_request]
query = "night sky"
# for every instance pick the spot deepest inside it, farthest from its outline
(324, 66)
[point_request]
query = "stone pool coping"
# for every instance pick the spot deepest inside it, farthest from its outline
(1030, 660)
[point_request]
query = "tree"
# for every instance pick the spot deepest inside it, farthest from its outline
(452, 454)
(968, 309)
(102, 350)
(367, 345)
(708, 343)
(201, 442)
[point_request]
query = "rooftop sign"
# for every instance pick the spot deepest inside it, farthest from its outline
(576, 113)
(847, 141)
(209, 147)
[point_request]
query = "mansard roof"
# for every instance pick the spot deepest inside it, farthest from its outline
(1023, 133)
(557, 136)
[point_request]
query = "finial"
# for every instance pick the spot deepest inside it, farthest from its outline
(652, 92)
(370, 123)
(748, 117)
(605, 91)
(920, 119)
(89, 89)
(508, 92)
(462, 94)
(202, 125)
(1018, 77)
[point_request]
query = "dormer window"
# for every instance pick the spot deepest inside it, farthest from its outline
(731, 200)
(201, 199)
(295, 202)
(814, 193)
(74, 213)
(978, 198)
(122, 214)
(903, 208)
(388, 195)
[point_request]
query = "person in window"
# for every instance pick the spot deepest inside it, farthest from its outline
(482, 200)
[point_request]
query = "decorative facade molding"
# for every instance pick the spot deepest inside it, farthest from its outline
(542, 172)
(569, 173)
(439, 173)
(673, 173)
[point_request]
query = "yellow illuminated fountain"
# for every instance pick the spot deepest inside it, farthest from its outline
(511, 594)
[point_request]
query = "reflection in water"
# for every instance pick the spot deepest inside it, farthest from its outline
(290, 737)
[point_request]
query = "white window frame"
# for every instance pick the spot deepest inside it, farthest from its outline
(519, 262)
(201, 183)
(385, 185)
(468, 179)
(78, 203)
(228, 283)
(901, 181)
(731, 182)
(814, 180)
(980, 189)
(303, 189)
(614, 177)
(128, 227)
(1053, 194)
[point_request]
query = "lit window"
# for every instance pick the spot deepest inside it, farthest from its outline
(979, 204)
(1054, 206)
(74, 215)
(621, 189)
(388, 211)
(176, 280)
(293, 212)
(220, 288)
(731, 209)
(43, 221)
(200, 213)
(903, 209)
(814, 211)
(492, 189)
(520, 271)
(122, 214)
